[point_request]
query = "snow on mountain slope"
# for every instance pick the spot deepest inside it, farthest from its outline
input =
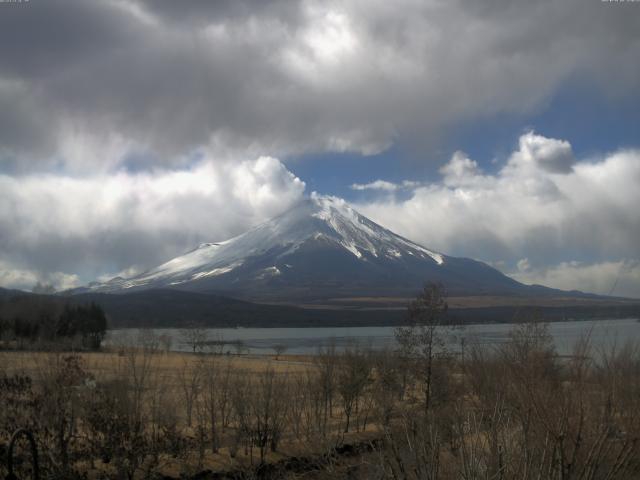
(320, 246)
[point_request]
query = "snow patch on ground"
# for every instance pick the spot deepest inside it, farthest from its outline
(269, 272)
(214, 272)
(352, 248)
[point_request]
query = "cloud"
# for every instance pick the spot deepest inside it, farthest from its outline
(94, 225)
(25, 279)
(531, 214)
(376, 185)
(87, 86)
(126, 273)
(621, 278)
(385, 186)
(460, 170)
(126, 125)
(569, 228)
(523, 265)
(538, 152)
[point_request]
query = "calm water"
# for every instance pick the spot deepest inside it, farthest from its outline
(307, 340)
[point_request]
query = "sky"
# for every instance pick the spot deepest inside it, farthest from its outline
(505, 131)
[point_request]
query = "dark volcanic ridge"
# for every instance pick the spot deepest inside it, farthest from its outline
(175, 308)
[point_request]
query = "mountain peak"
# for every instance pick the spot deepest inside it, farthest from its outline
(329, 204)
(320, 246)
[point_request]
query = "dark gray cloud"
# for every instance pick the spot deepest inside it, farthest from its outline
(205, 12)
(43, 38)
(245, 78)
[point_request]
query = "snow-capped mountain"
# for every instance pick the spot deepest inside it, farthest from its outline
(321, 248)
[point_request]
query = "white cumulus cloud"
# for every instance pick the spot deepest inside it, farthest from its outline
(26, 279)
(385, 186)
(105, 223)
(542, 208)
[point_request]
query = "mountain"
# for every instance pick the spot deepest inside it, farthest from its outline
(176, 308)
(319, 249)
(8, 293)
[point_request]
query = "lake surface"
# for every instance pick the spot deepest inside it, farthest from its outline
(603, 333)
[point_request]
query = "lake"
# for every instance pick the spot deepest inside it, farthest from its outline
(307, 340)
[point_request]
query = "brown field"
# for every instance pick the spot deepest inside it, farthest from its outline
(108, 362)
(516, 412)
(174, 376)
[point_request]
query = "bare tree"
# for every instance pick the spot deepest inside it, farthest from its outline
(224, 379)
(190, 381)
(195, 337)
(216, 345)
(308, 406)
(268, 410)
(63, 377)
(123, 416)
(279, 349)
(353, 377)
(388, 384)
(240, 347)
(240, 399)
(422, 339)
(326, 361)
(214, 389)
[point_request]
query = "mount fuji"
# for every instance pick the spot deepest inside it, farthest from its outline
(319, 249)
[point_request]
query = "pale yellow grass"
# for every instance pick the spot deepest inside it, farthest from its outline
(99, 363)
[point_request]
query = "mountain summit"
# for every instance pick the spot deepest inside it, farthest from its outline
(321, 248)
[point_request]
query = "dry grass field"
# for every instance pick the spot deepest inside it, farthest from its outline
(106, 363)
(191, 392)
(516, 412)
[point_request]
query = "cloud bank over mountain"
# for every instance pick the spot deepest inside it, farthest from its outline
(131, 130)
(101, 224)
(564, 216)
(544, 216)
